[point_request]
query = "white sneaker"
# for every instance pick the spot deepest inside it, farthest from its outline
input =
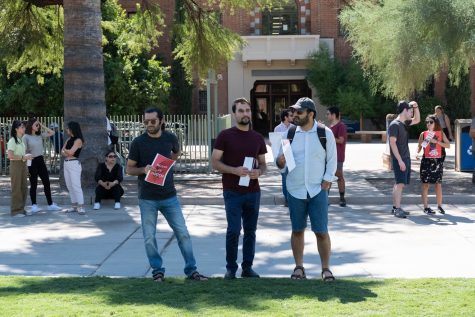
(19, 216)
(97, 206)
(53, 207)
(117, 206)
(81, 211)
(35, 208)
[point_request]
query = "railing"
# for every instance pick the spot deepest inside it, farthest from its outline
(191, 130)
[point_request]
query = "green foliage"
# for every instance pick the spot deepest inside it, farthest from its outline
(426, 107)
(403, 43)
(345, 85)
(458, 99)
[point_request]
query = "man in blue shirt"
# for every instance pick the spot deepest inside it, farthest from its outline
(308, 184)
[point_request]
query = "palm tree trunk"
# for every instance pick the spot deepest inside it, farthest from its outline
(84, 89)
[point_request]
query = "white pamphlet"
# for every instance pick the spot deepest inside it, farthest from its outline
(248, 163)
(289, 156)
(275, 141)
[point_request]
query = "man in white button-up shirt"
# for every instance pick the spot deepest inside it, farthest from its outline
(308, 184)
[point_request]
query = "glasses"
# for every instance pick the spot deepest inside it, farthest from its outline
(152, 121)
(430, 122)
(299, 112)
(111, 156)
(37, 124)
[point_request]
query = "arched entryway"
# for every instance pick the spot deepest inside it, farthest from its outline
(268, 98)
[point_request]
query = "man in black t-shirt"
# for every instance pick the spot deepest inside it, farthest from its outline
(408, 114)
(241, 201)
(154, 198)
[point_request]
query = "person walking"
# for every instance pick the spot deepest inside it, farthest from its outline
(154, 198)
(108, 176)
(72, 166)
(233, 148)
(33, 140)
(408, 114)
(340, 132)
(17, 155)
(308, 183)
(444, 121)
(433, 141)
(286, 118)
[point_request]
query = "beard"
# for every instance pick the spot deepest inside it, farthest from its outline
(301, 121)
(244, 121)
(153, 129)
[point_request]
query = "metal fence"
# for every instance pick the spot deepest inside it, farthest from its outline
(191, 130)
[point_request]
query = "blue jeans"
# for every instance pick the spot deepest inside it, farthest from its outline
(171, 210)
(315, 208)
(246, 207)
(284, 185)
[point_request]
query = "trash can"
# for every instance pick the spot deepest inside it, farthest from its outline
(463, 146)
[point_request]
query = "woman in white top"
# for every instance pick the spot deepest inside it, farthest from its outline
(444, 121)
(33, 140)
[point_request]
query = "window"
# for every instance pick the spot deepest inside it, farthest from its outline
(202, 100)
(280, 20)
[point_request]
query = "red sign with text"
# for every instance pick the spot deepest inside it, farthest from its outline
(160, 167)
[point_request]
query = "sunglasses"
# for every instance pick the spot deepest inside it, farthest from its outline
(152, 121)
(299, 112)
(111, 156)
(429, 122)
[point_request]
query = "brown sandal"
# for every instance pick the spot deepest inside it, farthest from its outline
(296, 276)
(327, 278)
(196, 276)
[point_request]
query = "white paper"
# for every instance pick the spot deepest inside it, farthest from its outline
(289, 156)
(248, 163)
(275, 141)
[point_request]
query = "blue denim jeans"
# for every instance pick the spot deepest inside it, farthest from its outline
(284, 185)
(171, 210)
(246, 207)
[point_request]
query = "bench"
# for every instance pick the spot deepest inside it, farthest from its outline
(366, 136)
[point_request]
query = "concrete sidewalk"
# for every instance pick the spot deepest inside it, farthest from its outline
(366, 239)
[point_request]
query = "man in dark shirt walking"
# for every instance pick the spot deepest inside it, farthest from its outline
(153, 198)
(408, 114)
(241, 201)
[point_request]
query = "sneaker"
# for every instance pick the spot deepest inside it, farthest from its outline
(407, 213)
(19, 216)
(35, 208)
(398, 212)
(249, 272)
(441, 210)
(53, 207)
(97, 206)
(117, 206)
(72, 209)
(81, 211)
(429, 211)
(342, 202)
(230, 275)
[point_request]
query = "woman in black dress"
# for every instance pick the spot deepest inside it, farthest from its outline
(108, 176)
(434, 142)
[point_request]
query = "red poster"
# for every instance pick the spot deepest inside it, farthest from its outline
(161, 166)
(433, 150)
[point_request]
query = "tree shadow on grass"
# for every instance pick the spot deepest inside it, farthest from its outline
(240, 294)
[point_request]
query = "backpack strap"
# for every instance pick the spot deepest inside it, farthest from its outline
(320, 131)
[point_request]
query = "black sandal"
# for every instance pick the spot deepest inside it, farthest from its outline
(159, 277)
(296, 276)
(327, 278)
(196, 276)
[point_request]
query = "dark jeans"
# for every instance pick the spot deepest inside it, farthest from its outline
(114, 193)
(246, 207)
(38, 168)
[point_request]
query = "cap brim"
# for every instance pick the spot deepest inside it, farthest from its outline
(296, 107)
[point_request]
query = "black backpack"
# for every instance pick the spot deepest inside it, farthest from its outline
(321, 136)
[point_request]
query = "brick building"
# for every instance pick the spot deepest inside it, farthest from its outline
(270, 70)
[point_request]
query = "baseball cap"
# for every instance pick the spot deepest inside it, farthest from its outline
(304, 103)
(402, 105)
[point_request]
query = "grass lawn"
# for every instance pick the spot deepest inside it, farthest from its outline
(72, 296)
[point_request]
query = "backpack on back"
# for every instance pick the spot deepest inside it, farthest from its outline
(320, 131)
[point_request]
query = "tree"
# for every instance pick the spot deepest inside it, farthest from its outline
(403, 43)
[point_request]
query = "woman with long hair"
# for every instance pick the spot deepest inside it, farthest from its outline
(72, 166)
(18, 157)
(444, 121)
(433, 141)
(33, 140)
(108, 176)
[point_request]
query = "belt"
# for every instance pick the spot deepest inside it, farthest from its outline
(67, 160)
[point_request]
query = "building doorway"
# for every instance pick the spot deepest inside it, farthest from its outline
(269, 98)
